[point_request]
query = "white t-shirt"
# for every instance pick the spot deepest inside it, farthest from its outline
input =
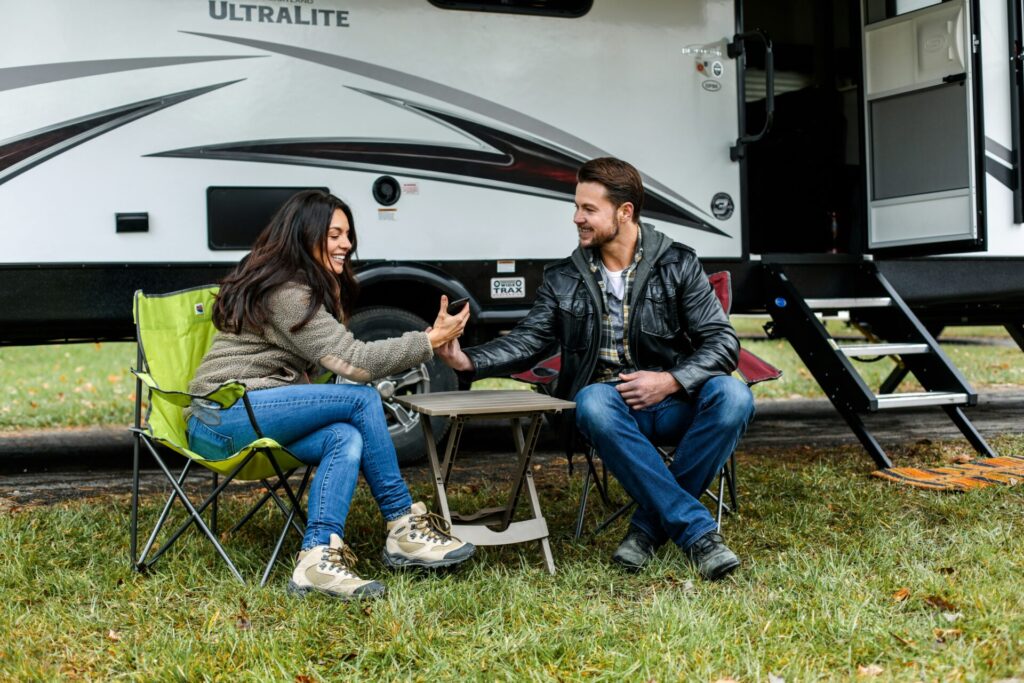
(614, 282)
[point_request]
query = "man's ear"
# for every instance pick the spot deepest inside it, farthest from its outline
(625, 211)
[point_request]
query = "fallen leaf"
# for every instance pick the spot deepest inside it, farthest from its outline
(726, 680)
(951, 616)
(113, 635)
(869, 670)
(772, 678)
(944, 634)
(303, 678)
(946, 570)
(242, 622)
(960, 459)
(901, 595)
(114, 379)
(939, 602)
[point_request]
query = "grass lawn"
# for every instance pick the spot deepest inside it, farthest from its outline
(845, 578)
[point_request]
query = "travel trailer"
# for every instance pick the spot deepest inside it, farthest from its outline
(833, 155)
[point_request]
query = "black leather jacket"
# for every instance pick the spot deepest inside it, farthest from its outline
(676, 323)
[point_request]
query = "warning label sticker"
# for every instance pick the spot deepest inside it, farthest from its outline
(508, 287)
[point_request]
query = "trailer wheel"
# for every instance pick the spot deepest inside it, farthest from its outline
(382, 322)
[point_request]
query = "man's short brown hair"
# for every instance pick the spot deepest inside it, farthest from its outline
(620, 180)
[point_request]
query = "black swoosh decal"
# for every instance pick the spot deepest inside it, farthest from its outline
(504, 161)
(21, 153)
(452, 96)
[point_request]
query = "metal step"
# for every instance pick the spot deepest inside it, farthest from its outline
(921, 398)
(862, 350)
(847, 303)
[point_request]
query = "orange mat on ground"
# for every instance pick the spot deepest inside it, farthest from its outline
(976, 474)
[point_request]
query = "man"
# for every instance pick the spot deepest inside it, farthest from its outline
(647, 354)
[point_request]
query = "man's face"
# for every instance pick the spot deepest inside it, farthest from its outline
(596, 217)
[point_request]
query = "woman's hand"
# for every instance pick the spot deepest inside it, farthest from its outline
(447, 327)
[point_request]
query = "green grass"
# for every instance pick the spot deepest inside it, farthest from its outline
(825, 550)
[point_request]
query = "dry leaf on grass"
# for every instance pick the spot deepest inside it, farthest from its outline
(242, 622)
(772, 678)
(870, 670)
(944, 634)
(303, 678)
(901, 595)
(727, 680)
(939, 602)
(959, 459)
(113, 635)
(951, 616)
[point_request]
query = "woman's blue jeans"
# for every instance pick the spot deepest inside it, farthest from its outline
(706, 433)
(338, 427)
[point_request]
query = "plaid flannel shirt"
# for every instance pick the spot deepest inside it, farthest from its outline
(613, 355)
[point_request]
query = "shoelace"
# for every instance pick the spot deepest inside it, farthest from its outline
(433, 526)
(340, 559)
(705, 543)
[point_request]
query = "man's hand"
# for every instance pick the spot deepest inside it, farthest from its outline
(644, 388)
(453, 356)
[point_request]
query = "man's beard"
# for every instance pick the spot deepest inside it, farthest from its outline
(601, 240)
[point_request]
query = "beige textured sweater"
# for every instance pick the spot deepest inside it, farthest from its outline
(276, 356)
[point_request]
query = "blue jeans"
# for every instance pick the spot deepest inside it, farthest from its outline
(706, 433)
(339, 427)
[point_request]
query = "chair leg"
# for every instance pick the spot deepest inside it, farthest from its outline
(583, 505)
(213, 508)
(288, 523)
(134, 531)
(194, 514)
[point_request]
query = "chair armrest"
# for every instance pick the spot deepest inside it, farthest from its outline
(226, 395)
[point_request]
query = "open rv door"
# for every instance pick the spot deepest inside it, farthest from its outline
(923, 126)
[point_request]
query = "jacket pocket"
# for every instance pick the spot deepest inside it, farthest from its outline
(574, 317)
(658, 315)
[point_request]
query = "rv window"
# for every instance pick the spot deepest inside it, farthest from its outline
(879, 10)
(236, 215)
(553, 8)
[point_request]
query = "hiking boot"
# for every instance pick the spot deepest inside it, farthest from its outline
(635, 550)
(712, 557)
(423, 539)
(328, 569)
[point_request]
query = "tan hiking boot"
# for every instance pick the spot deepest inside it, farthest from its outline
(423, 539)
(328, 569)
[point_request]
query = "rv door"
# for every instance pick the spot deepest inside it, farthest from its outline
(922, 86)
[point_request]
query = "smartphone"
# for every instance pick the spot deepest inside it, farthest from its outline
(454, 307)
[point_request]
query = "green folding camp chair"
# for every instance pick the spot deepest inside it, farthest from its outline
(174, 331)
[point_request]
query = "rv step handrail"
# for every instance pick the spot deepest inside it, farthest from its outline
(921, 398)
(848, 302)
(884, 349)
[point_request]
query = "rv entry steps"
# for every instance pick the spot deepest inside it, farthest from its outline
(797, 296)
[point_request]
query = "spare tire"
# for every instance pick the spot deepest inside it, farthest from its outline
(382, 322)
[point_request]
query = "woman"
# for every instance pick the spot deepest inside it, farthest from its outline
(280, 319)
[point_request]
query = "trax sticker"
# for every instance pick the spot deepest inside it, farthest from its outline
(299, 14)
(387, 214)
(508, 287)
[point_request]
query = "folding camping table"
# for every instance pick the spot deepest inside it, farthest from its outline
(490, 526)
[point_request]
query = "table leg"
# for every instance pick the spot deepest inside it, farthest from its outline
(545, 545)
(525, 448)
(435, 468)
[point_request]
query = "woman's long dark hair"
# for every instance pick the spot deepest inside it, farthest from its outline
(288, 250)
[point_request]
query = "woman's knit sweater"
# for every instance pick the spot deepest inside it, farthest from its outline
(276, 356)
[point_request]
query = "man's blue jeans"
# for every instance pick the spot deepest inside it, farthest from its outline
(706, 432)
(338, 427)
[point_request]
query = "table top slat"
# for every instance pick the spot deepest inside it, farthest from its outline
(487, 402)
